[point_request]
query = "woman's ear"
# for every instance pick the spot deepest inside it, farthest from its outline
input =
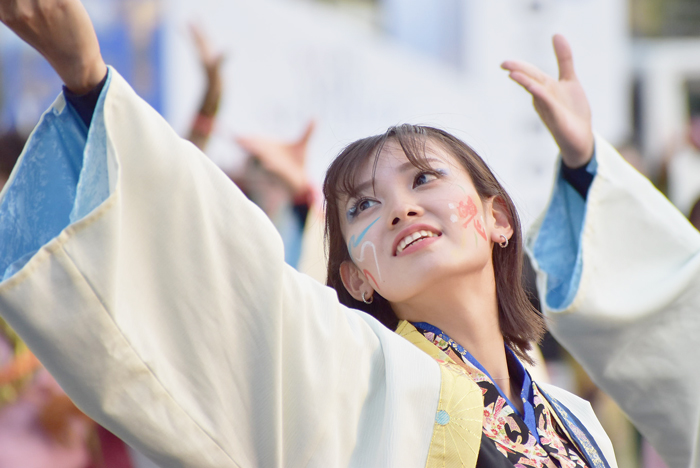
(500, 220)
(355, 281)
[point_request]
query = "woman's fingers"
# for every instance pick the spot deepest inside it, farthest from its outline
(535, 88)
(525, 68)
(565, 58)
(545, 103)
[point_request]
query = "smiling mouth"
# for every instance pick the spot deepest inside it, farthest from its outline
(413, 239)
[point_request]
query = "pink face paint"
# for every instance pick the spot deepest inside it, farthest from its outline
(467, 211)
(369, 275)
(479, 228)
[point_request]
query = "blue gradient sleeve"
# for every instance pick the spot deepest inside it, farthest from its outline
(60, 177)
(557, 249)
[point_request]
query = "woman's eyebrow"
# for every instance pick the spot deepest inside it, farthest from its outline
(358, 189)
(408, 165)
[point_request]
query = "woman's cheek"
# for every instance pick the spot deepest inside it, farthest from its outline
(364, 253)
(466, 214)
(369, 262)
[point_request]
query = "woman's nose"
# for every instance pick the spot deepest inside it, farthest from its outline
(404, 211)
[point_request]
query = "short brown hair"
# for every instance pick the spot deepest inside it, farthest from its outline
(520, 323)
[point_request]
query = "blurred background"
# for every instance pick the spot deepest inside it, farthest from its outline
(358, 66)
(355, 67)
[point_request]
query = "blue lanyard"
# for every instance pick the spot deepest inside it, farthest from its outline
(526, 391)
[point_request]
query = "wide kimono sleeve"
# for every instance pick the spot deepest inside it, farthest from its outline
(619, 276)
(157, 294)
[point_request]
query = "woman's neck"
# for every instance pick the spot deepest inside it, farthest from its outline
(466, 309)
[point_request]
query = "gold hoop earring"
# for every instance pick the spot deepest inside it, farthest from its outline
(504, 244)
(371, 298)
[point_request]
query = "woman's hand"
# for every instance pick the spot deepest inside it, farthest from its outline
(561, 104)
(62, 32)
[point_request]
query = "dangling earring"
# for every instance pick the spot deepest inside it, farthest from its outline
(371, 299)
(504, 244)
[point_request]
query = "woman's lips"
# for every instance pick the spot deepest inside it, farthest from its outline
(413, 236)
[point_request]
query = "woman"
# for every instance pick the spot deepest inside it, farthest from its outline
(205, 349)
(452, 274)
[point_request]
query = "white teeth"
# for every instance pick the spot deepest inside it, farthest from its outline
(409, 239)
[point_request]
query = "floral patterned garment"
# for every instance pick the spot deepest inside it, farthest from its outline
(542, 443)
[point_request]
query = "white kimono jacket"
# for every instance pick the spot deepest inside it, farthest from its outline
(158, 296)
(619, 277)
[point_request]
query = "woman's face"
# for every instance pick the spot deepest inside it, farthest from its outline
(414, 229)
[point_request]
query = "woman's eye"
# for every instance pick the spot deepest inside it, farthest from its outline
(360, 206)
(424, 177)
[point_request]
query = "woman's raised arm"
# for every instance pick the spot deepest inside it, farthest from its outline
(62, 32)
(619, 273)
(158, 296)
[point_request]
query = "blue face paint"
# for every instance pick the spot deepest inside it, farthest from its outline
(354, 243)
